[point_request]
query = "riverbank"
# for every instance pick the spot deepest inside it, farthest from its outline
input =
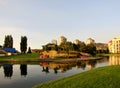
(104, 77)
(34, 57)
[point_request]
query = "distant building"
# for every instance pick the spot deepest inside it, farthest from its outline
(62, 39)
(101, 46)
(114, 45)
(3, 52)
(76, 41)
(54, 42)
(90, 41)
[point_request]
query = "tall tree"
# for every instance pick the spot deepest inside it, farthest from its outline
(8, 42)
(23, 44)
(91, 49)
(29, 50)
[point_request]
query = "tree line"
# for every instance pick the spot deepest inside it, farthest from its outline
(69, 46)
(8, 43)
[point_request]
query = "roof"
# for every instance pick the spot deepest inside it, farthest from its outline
(12, 50)
(3, 52)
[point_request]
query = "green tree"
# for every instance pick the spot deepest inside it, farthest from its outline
(23, 44)
(29, 50)
(91, 49)
(82, 47)
(8, 42)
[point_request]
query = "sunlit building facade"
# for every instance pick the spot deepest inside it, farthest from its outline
(90, 41)
(54, 41)
(76, 41)
(62, 39)
(114, 45)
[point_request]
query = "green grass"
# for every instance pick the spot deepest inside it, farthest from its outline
(32, 56)
(104, 77)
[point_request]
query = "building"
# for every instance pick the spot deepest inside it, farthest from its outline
(54, 42)
(101, 46)
(62, 39)
(114, 45)
(76, 41)
(90, 41)
(3, 52)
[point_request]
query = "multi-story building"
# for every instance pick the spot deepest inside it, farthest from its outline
(114, 45)
(54, 41)
(76, 41)
(62, 39)
(90, 41)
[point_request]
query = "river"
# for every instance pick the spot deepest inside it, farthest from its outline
(27, 75)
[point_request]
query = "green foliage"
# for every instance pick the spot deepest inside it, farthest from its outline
(23, 44)
(49, 47)
(32, 56)
(104, 77)
(82, 47)
(69, 46)
(8, 42)
(29, 50)
(91, 49)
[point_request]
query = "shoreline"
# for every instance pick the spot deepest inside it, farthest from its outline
(49, 60)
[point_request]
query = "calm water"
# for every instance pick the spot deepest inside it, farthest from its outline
(28, 75)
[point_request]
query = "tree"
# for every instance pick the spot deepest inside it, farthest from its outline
(91, 49)
(8, 42)
(29, 50)
(23, 44)
(82, 47)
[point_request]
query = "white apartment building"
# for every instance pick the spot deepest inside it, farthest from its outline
(114, 45)
(90, 41)
(62, 39)
(76, 41)
(54, 41)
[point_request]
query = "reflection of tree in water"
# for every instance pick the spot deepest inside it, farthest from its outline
(23, 68)
(56, 70)
(81, 64)
(45, 69)
(92, 63)
(8, 70)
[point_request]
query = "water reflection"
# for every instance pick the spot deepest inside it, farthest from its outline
(8, 70)
(23, 68)
(46, 71)
(114, 60)
(64, 66)
(61, 67)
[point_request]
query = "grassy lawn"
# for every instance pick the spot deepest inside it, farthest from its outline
(32, 56)
(104, 77)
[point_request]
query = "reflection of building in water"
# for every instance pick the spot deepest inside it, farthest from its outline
(61, 67)
(8, 70)
(23, 68)
(91, 64)
(114, 60)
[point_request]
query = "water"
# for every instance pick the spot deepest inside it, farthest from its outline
(27, 75)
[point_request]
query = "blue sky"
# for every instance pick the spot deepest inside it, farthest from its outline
(44, 20)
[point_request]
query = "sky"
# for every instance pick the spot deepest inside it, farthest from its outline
(44, 20)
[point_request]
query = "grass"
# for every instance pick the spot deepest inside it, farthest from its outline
(32, 56)
(104, 77)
